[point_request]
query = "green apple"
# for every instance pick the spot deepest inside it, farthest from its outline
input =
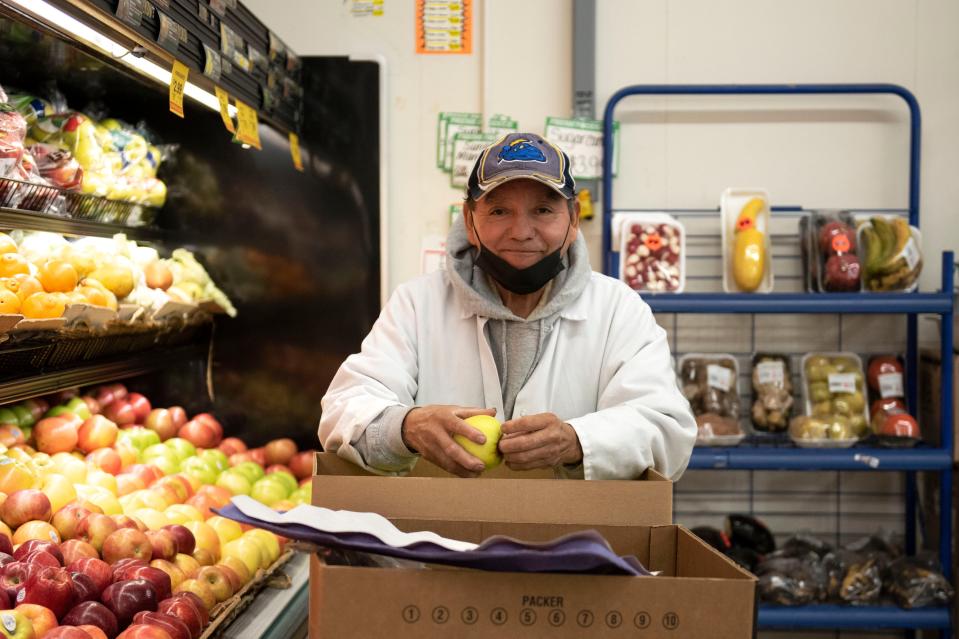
(79, 407)
(288, 480)
(249, 469)
(488, 453)
(269, 491)
(302, 495)
(163, 457)
(216, 457)
(235, 482)
(55, 411)
(139, 437)
(7, 416)
(24, 415)
(199, 469)
(181, 447)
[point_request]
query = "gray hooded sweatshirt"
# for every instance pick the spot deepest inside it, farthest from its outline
(514, 341)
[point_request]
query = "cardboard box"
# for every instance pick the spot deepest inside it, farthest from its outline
(700, 593)
(929, 396)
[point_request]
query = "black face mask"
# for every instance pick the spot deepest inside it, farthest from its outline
(521, 281)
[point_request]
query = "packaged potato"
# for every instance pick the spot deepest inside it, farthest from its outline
(772, 392)
(710, 384)
(834, 397)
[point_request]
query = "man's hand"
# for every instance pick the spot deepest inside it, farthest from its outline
(539, 441)
(429, 431)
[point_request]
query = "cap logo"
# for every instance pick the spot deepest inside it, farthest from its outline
(521, 150)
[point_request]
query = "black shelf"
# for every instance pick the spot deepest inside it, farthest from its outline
(35, 221)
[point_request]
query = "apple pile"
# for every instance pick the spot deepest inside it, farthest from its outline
(106, 528)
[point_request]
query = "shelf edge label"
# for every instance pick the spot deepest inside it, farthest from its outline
(247, 127)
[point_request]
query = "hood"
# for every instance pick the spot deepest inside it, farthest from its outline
(478, 296)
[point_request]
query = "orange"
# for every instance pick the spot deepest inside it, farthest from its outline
(98, 296)
(7, 245)
(28, 286)
(58, 276)
(13, 264)
(44, 305)
(9, 302)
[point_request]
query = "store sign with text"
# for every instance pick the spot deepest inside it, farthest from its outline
(582, 140)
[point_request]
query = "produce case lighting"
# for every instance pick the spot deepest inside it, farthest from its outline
(106, 45)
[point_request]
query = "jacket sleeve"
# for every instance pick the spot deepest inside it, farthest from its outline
(642, 419)
(372, 389)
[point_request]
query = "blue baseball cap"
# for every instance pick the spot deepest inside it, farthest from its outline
(521, 156)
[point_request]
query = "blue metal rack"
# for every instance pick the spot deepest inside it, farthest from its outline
(760, 455)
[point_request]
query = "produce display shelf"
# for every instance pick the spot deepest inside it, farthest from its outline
(856, 303)
(35, 221)
(789, 458)
(98, 372)
(852, 617)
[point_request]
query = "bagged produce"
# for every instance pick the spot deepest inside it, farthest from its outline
(58, 166)
(914, 582)
(652, 253)
(709, 383)
(834, 398)
(772, 392)
(833, 241)
(862, 582)
(892, 254)
(791, 581)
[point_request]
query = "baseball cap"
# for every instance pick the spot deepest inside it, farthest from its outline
(521, 155)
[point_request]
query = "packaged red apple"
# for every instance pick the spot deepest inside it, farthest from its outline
(834, 243)
(772, 392)
(892, 253)
(710, 384)
(834, 395)
(652, 253)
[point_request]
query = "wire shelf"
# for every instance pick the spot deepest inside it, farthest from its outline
(16, 194)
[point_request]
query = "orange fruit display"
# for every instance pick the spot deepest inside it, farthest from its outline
(7, 245)
(9, 302)
(28, 286)
(98, 296)
(13, 264)
(58, 276)
(44, 305)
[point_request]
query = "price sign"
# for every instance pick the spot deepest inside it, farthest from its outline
(582, 140)
(224, 99)
(295, 152)
(177, 85)
(248, 130)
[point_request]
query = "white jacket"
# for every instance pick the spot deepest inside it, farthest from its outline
(605, 369)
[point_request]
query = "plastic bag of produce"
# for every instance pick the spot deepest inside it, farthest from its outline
(30, 106)
(892, 253)
(834, 394)
(58, 166)
(791, 581)
(13, 131)
(710, 384)
(915, 582)
(862, 583)
(772, 392)
(833, 242)
(652, 253)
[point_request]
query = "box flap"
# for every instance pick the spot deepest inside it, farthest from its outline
(643, 502)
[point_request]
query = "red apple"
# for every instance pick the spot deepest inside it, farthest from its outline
(65, 632)
(6, 545)
(74, 549)
(140, 405)
(128, 483)
(41, 618)
(178, 415)
(96, 432)
(144, 631)
(15, 574)
(232, 445)
(147, 472)
(201, 590)
(95, 528)
(280, 451)
(5, 603)
(34, 545)
(302, 464)
(5, 558)
(163, 543)
(176, 575)
(209, 419)
(57, 434)
(127, 563)
(106, 459)
(238, 458)
(84, 588)
(161, 421)
(96, 569)
(110, 392)
(274, 468)
(94, 631)
(173, 626)
(124, 521)
(36, 407)
(25, 505)
(127, 598)
(218, 582)
(186, 611)
(185, 542)
(92, 404)
(120, 412)
(127, 542)
(159, 578)
(93, 613)
(258, 455)
(50, 587)
(41, 558)
(67, 520)
(236, 582)
(194, 600)
(199, 434)
(187, 564)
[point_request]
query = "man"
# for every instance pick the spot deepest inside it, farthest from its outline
(517, 326)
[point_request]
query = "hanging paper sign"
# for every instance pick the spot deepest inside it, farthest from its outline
(582, 140)
(232, 46)
(295, 152)
(466, 148)
(448, 126)
(177, 84)
(224, 98)
(172, 35)
(443, 26)
(248, 130)
(213, 65)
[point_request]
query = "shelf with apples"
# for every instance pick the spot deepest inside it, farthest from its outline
(109, 516)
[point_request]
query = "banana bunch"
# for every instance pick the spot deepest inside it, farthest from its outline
(893, 259)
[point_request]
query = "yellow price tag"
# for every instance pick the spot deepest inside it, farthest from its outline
(295, 152)
(248, 131)
(177, 84)
(224, 99)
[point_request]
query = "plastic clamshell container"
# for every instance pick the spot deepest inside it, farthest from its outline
(716, 440)
(730, 205)
(821, 218)
(862, 219)
(662, 222)
(807, 401)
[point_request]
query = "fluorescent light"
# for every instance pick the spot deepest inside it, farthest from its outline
(99, 41)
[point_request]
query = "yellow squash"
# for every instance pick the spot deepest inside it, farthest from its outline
(749, 249)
